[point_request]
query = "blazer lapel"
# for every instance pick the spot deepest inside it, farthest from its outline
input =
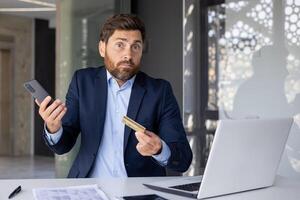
(136, 97)
(100, 91)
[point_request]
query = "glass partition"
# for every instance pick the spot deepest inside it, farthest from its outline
(78, 29)
(242, 59)
(256, 54)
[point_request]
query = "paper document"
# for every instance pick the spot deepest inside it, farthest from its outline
(84, 192)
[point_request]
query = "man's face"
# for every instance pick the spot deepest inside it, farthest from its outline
(122, 53)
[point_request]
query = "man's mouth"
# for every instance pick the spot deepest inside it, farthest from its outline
(126, 65)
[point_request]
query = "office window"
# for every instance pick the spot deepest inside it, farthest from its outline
(248, 66)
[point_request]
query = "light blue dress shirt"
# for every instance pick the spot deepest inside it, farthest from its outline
(110, 160)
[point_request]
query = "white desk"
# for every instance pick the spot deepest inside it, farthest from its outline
(284, 189)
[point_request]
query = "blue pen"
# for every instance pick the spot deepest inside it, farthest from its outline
(15, 192)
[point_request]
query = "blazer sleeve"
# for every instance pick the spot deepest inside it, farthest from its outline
(172, 132)
(70, 122)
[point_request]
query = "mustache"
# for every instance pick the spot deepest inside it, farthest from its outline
(126, 62)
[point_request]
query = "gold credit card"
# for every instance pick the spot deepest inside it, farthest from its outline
(133, 125)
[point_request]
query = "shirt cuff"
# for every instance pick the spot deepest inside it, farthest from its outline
(164, 155)
(53, 138)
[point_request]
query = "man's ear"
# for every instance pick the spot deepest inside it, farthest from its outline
(101, 48)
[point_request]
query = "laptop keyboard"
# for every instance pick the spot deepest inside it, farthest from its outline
(188, 187)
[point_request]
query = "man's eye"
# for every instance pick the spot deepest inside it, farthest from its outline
(119, 45)
(136, 47)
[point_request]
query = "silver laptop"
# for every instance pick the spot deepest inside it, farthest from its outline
(244, 156)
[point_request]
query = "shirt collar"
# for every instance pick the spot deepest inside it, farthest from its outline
(127, 83)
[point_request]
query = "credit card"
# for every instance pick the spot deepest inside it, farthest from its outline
(133, 125)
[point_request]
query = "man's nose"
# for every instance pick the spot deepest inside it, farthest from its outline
(128, 53)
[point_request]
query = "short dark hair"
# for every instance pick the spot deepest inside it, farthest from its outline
(121, 22)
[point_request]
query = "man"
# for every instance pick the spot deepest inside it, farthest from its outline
(96, 102)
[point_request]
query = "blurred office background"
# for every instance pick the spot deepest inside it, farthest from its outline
(225, 60)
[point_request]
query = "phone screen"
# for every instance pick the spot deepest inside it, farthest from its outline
(144, 197)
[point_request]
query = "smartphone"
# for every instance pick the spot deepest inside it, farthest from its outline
(36, 90)
(144, 197)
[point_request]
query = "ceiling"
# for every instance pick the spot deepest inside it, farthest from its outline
(27, 7)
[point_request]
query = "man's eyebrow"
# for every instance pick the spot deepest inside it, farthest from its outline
(138, 41)
(125, 40)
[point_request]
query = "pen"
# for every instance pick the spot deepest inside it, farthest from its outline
(15, 192)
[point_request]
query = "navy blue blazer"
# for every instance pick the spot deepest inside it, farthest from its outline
(151, 104)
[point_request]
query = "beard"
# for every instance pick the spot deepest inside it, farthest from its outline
(119, 73)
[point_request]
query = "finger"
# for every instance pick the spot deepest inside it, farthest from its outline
(143, 135)
(53, 106)
(138, 147)
(56, 112)
(150, 134)
(44, 103)
(149, 145)
(149, 138)
(61, 115)
(143, 150)
(155, 139)
(142, 138)
(37, 102)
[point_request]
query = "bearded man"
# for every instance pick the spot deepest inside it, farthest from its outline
(98, 99)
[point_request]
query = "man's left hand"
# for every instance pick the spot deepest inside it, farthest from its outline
(149, 143)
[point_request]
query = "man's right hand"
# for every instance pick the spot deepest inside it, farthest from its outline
(52, 114)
